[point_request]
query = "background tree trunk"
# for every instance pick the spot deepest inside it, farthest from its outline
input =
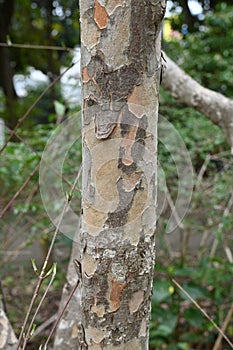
(8, 339)
(121, 62)
(6, 73)
(66, 333)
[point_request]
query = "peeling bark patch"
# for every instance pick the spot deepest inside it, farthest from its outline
(99, 310)
(100, 15)
(105, 122)
(135, 301)
(113, 4)
(94, 347)
(89, 264)
(4, 332)
(133, 345)
(116, 290)
(74, 332)
(144, 328)
(106, 179)
(94, 335)
(119, 217)
(130, 182)
(116, 84)
(127, 144)
(93, 217)
(85, 75)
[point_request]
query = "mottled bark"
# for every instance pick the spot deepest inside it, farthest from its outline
(215, 106)
(121, 62)
(8, 339)
(67, 330)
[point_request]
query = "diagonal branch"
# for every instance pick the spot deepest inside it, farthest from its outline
(215, 106)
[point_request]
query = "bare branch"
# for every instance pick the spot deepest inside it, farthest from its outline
(215, 106)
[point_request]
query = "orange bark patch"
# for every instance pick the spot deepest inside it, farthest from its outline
(127, 143)
(85, 75)
(135, 102)
(116, 290)
(100, 15)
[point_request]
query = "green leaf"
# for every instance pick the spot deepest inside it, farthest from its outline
(195, 291)
(183, 346)
(59, 108)
(194, 317)
(162, 290)
(167, 326)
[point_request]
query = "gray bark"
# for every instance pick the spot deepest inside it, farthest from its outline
(215, 106)
(67, 331)
(121, 60)
(8, 339)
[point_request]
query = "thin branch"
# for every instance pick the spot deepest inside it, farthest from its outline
(202, 171)
(44, 160)
(61, 314)
(44, 325)
(215, 106)
(42, 273)
(21, 120)
(38, 308)
(37, 47)
(224, 327)
(203, 312)
(19, 191)
(220, 225)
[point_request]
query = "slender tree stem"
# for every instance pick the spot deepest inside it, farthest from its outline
(42, 273)
(61, 314)
(37, 310)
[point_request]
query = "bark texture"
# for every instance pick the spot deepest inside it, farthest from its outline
(67, 331)
(121, 60)
(8, 339)
(215, 106)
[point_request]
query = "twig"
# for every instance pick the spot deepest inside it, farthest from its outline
(42, 273)
(39, 156)
(203, 312)
(202, 171)
(21, 120)
(19, 191)
(220, 225)
(38, 308)
(43, 326)
(61, 314)
(37, 47)
(224, 327)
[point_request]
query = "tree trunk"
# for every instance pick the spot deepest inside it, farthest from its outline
(66, 333)
(121, 62)
(8, 339)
